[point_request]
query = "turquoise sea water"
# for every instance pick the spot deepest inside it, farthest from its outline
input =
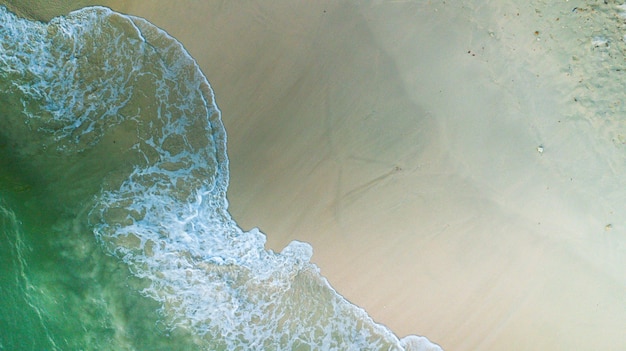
(114, 223)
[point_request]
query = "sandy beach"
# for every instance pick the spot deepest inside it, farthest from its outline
(456, 166)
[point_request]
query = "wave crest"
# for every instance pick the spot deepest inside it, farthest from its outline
(120, 95)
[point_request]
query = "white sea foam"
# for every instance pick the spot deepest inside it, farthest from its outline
(96, 79)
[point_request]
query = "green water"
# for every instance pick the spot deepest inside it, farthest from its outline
(61, 292)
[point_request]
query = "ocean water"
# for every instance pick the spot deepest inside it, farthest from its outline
(114, 220)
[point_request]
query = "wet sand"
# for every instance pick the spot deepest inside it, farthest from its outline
(439, 157)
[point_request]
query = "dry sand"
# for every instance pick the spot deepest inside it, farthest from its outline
(444, 158)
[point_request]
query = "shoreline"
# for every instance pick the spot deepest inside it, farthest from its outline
(407, 153)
